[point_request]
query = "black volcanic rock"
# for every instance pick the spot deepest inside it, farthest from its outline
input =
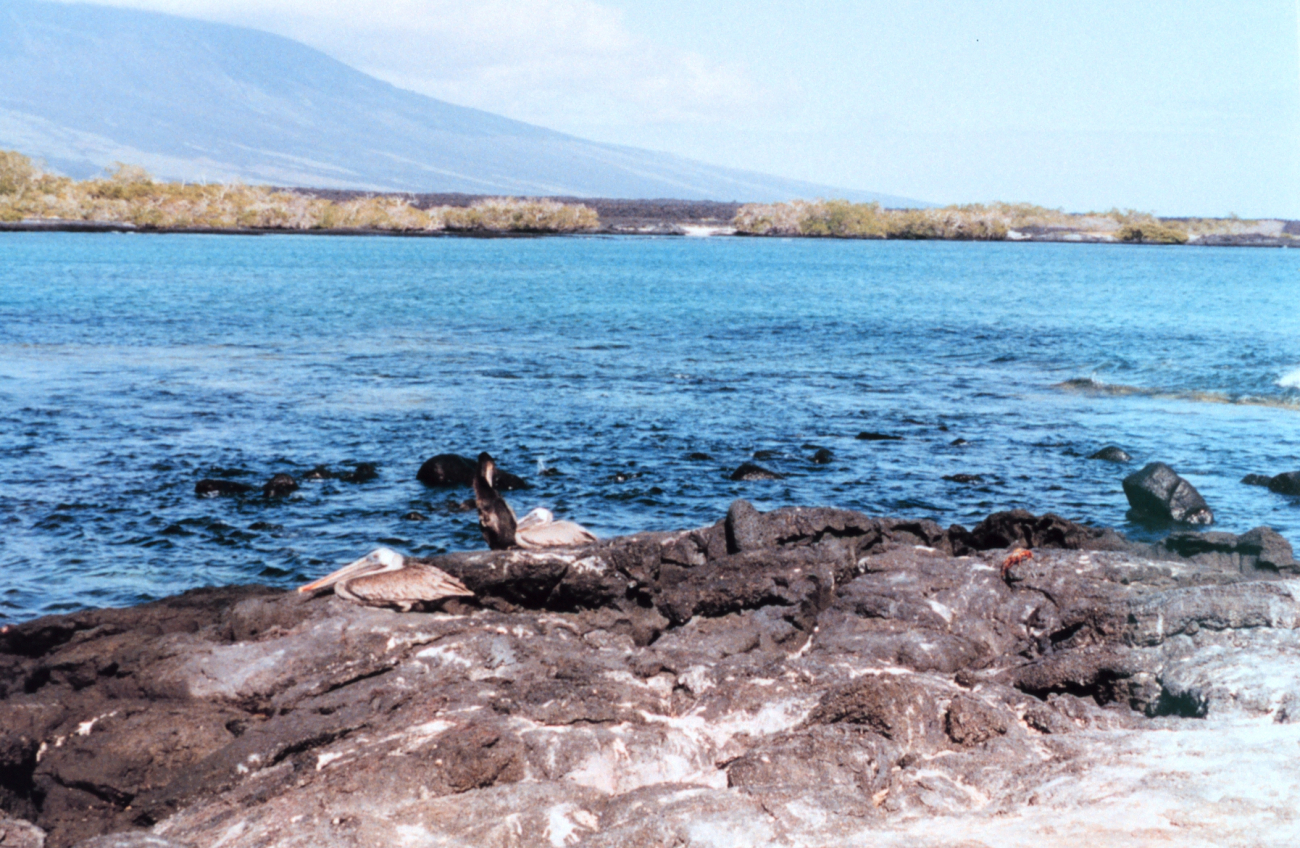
(963, 478)
(1112, 454)
(1285, 484)
(1020, 528)
(1257, 480)
(866, 436)
(1157, 492)
(823, 456)
(363, 473)
(1261, 549)
(220, 488)
(748, 472)
(279, 486)
(449, 469)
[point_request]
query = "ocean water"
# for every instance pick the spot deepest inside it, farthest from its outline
(132, 366)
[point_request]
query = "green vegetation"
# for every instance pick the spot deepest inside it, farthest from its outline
(1148, 232)
(131, 196)
(974, 222)
(842, 219)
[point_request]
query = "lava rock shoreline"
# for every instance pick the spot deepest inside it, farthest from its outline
(798, 677)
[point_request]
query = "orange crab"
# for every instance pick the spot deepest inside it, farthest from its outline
(1015, 558)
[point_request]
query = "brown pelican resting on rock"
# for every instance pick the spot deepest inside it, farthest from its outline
(538, 529)
(385, 578)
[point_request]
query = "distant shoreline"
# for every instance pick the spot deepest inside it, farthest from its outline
(672, 225)
(130, 201)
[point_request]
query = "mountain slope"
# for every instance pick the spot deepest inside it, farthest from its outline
(84, 86)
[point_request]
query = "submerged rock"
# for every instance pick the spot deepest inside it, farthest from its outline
(279, 486)
(1112, 454)
(363, 473)
(1156, 491)
(449, 469)
(964, 478)
(795, 677)
(748, 471)
(866, 436)
(823, 456)
(1257, 480)
(220, 488)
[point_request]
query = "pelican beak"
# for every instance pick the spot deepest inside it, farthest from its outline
(369, 562)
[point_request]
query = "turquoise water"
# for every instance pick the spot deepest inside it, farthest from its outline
(133, 366)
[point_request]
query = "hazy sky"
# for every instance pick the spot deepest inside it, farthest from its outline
(1173, 106)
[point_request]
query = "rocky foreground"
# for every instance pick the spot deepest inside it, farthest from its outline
(801, 677)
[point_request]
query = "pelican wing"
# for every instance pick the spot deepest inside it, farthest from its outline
(553, 535)
(412, 584)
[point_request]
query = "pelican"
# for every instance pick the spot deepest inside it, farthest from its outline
(539, 529)
(385, 578)
(502, 530)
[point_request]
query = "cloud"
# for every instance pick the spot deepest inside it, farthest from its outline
(568, 64)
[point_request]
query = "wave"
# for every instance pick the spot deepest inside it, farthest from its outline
(1290, 380)
(1091, 386)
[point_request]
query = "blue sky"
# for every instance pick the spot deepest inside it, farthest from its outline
(1183, 108)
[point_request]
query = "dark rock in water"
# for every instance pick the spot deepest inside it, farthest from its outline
(507, 482)
(452, 505)
(549, 472)
(823, 456)
(699, 457)
(1112, 454)
(956, 443)
(1257, 480)
(963, 478)
(220, 488)
(279, 486)
(1261, 549)
(877, 437)
(670, 687)
(364, 473)
(1156, 491)
(415, 516)
(1285, 484)
(447, 469)
(765, 454)
(320, 472)
(748, 471)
